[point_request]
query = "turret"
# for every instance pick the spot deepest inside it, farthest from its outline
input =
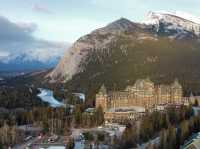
(177, 92)
(102, 98)
(192, 98)
(102, 90)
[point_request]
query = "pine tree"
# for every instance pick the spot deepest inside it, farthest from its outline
(163, 139)
(99, 116)
(129, 137)
(171, 138)
(77, 115)
(70, 144)
(1, 146)
(196, 103)
(184, 131)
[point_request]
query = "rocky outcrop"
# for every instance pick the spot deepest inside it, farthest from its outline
(98, 39)
(165, 24)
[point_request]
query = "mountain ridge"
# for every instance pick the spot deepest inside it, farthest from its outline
(101, 38)
(176, 21)
(179, 14)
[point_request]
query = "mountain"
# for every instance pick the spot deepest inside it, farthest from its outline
(123, 51)
(182, 24)
(98, 39)
(32, 59)
(157, 25)
(20, 63)
(173, 17)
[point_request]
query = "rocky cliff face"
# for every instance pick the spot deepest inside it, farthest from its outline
(167, 25)
(98, 39)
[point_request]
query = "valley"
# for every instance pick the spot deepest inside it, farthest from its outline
(125, 85)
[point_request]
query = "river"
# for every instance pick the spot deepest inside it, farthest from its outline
(46, 95)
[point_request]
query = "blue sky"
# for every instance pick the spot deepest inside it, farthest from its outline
(67, 20)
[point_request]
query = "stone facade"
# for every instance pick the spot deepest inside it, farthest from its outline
(142, 94)
(124, 114)
(121, 117)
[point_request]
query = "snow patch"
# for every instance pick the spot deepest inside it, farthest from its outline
(154, 17)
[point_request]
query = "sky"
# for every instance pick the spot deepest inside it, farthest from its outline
(67, 20)
(51, 25)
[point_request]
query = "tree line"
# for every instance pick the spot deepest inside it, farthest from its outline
(173, 127)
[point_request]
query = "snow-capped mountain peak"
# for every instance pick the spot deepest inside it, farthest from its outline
(180, 14)
(176, 20)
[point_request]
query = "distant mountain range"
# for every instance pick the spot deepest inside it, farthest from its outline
(21, 50)
(33, 60)
(19, 64)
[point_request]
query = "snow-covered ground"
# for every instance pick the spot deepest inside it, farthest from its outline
(47, 96)
(161, 15)
(183, 15)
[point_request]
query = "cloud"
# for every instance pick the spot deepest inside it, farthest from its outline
(17, 40)
(41, 9)
(4, 55)
(28, 27)
(10, 31)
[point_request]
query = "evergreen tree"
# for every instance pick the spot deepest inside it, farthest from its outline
(163, 140)
(196, 103)
(70, 144)
(77, 115)
(99, 115)
(129, 137)
(184, 131)
(171, 138)
(1, 146)
(146, 129)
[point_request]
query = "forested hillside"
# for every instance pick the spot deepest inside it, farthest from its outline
(125, 61)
